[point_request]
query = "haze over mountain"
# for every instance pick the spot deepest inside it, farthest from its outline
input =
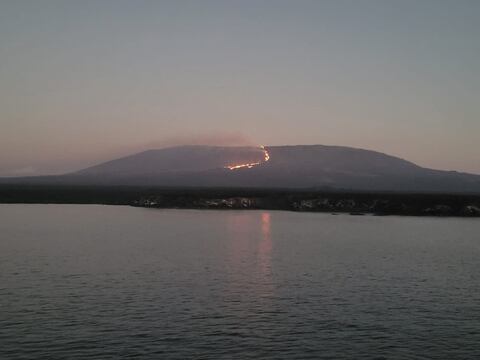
(302, 166)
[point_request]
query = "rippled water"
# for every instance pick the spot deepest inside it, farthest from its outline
(98, 282)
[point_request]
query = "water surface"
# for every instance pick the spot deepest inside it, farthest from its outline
(104, 282)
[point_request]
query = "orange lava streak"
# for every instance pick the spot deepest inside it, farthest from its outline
(266, 157)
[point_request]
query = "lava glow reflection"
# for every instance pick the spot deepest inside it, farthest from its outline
(266, 157)
(265, 247)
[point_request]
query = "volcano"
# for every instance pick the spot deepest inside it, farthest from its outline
(302, 166)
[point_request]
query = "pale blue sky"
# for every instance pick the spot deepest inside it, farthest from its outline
(83, 81)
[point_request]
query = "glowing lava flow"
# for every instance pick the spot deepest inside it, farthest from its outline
(266, 157)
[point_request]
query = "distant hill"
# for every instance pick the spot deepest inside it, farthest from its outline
(175, 160)
(302, 166)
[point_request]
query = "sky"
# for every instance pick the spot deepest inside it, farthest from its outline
(86, 81)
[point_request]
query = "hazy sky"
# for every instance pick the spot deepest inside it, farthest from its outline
(83, 81)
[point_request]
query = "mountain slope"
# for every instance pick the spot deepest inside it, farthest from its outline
(176, 159)
(303, 166)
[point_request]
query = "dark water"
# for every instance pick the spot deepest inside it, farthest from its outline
(97, 282)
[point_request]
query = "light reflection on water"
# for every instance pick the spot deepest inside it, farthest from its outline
(250, 233)
(265, 250)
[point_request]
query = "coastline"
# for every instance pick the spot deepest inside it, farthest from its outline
(298, 200)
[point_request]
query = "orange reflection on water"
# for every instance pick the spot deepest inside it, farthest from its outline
(265, 248)
(266, 242)
(250, 253)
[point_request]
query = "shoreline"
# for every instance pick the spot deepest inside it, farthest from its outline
(298, 200)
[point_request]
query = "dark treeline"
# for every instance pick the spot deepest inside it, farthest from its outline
(325, 200)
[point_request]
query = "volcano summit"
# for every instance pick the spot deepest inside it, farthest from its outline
(302, 166)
